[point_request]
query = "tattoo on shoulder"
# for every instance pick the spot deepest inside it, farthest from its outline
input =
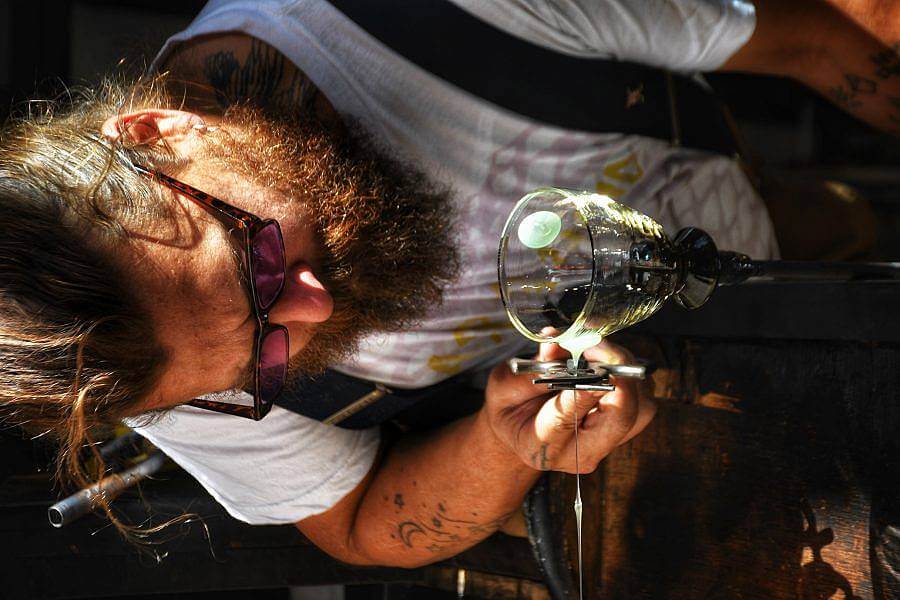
(887, 61)
(265, 79)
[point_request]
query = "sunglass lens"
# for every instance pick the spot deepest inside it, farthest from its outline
(273, 359)
(267, 254)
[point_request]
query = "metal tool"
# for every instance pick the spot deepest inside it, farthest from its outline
(588, 376)
(82, 502)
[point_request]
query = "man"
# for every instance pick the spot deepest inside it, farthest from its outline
(130, 284)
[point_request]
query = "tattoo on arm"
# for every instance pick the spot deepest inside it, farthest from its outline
(847, 95)
(844, 98)
(887, 61)
(539, 460)
(873, 97)
(860, 85)
(887, 65)
(439, 530)
(264, 79)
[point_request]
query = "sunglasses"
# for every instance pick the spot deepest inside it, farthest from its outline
(263, 266)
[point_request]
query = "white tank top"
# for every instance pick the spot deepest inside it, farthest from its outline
(492, 157)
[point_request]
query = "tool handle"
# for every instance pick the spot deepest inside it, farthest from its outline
(524, 365)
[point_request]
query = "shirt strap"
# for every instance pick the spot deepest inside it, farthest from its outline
(586, 94)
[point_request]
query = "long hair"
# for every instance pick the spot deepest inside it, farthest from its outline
(76, 353)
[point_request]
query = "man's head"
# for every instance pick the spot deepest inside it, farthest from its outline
(365, 243)
(118, 296)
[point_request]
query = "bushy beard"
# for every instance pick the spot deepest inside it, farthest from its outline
(385, 231)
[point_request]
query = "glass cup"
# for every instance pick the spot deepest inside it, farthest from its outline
(576, 266)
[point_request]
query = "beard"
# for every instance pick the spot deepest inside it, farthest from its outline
(384, 231)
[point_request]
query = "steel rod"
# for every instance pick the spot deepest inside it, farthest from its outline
(737, 268)
(795, 270)
(80, 503)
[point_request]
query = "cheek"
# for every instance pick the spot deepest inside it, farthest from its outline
(217, 342)
(215, 369)
(300, 335)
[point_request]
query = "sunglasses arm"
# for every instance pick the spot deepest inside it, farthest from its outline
(228, 215)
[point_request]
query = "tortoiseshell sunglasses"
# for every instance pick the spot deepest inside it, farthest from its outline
(264, 268)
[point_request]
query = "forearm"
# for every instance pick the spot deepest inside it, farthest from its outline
(860, 72)
(436, 495)
(845, 49)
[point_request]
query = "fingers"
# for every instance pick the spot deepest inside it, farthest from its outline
(552, 352)
(604, 352)
(617, 415)
(621, 406)
(609, 353)
(646, 408)
(555, 421)
(646, 412)
(505, 387)
(607, 419)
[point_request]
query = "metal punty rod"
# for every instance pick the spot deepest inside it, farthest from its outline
(80, 503)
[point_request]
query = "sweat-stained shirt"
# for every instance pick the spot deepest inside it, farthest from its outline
(287, 467)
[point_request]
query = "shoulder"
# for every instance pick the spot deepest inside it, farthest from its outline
(223, 69)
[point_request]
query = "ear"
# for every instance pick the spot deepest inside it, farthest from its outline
(152, 125)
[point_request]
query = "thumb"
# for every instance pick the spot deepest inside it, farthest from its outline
(551, 351)
(555, 422)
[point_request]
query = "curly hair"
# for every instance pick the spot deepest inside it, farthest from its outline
(76, 353)
(79, 351)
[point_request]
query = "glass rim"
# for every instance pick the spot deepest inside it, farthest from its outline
(577, 323)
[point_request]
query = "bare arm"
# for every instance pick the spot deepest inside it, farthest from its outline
(436, 495)
(431, 498)
(847, 50)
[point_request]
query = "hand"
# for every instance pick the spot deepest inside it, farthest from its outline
(538, 426)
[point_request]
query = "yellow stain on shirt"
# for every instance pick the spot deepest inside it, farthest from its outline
(466, 332)
(473, 328)
(620, 176)
(449, 364)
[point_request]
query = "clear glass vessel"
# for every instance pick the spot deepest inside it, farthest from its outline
(578, 265)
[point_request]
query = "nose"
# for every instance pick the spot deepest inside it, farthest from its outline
(303, 300)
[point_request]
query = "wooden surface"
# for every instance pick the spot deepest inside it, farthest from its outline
(756, 480)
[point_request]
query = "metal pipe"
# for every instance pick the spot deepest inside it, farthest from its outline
(82, 502)
(737, 268)
(123, 447)
(797, 270)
